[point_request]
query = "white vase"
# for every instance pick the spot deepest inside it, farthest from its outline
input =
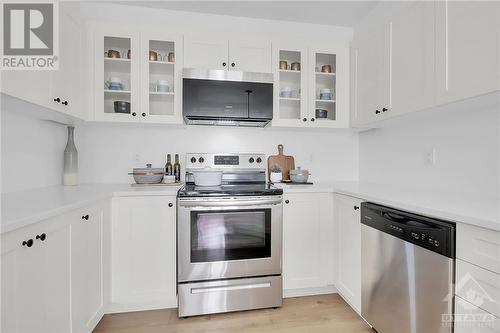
(276, 177)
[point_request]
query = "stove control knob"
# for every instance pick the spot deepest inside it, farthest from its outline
(259, 159)
(193, 159)
(251, 160)
(201, 160)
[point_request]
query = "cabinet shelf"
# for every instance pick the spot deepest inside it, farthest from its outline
(325, 101)
(116, 59)
(296, 99)
(169, 93)
(109, 91)
(161, 62)
(325, 74)
(289, 71)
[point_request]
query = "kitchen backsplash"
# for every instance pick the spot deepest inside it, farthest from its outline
(108, 153)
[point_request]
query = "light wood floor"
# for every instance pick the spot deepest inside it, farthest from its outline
(325, 313)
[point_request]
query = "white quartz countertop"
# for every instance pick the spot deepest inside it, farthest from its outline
(20, 209)
(462, 208)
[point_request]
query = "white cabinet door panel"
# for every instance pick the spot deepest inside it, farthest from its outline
(468, 48)
(250, 55)
(205, 52)
(348, 220)
(411, 34)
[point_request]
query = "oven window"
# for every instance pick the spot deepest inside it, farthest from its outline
(230, 235)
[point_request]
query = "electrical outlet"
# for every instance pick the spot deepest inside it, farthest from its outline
(430, 157)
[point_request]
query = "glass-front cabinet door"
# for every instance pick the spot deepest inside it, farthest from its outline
(329, 95)
(161, 77)
(116, 77)
(290, 107)
(230, 235)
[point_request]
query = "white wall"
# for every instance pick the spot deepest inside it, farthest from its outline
(32, 149)
(108, 153)
(465, 136)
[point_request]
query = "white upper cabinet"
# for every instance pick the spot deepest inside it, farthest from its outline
(411, 58)
(427, 53)
(371, 76)
(212, 52)
(161, 78)
(54, 89)
(468, 49)
(205, 51)
(116, 75)
(248, 55)
(308, 79)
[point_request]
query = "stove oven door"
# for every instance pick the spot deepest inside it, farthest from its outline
(229, 238)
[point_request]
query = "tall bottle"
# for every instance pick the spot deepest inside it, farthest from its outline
(168, 166)
(177, 169)
(70, 170)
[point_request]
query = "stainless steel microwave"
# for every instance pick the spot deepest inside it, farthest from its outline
(230, 98)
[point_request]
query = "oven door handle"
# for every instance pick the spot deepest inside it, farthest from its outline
(230, 288)
(246, 203)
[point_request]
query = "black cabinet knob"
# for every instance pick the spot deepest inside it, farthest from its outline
(356, 207)
(251, 160)
(287, 201)
(144, 114)
(41, 237)
(193, 159)
(312, 119)
(224, 64)
(377, 111)
(58, 100)
(28, 243)
(65, 103)
(134, 114)
(384, 109)
(85, 217)
(201, 160)
(259, 159)
(304, 119)
(170, 204)
(233, 64)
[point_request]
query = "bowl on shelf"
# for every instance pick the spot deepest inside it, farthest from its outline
(121, 106)
(326, 68)
(325, 94)
(321, 113)
(295, 66)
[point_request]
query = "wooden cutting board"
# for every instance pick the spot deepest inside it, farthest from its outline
(286, 163)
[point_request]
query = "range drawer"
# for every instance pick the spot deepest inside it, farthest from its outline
(479, 246)
(478, 286)
(471, 319)
(199, 298)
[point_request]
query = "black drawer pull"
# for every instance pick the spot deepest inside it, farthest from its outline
(28, 243)
(170, 204)
(356, 207)
(85, 217)
(287, 201)
(41, 237)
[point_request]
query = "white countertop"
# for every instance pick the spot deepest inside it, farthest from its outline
(20, 209)
(461, 208)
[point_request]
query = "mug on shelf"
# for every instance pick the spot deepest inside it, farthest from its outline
(153, 56)
(170, 57)
(283, 65)
(114, 83)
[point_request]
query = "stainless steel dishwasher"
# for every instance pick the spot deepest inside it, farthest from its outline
(408, 264)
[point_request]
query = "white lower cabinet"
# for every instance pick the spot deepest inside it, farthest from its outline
(143, 253)
(471, 319)
(308, 243)
(36, 276)
(348, 241)
(52, 275)
(87, 269)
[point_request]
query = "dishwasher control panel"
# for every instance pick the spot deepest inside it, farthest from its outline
(435, 235)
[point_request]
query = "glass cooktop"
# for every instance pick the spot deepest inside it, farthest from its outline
(191, 190)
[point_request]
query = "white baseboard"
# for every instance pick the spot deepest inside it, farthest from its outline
(132, 307)
(309, 291)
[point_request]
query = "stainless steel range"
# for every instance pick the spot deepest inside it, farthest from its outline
(229, 237)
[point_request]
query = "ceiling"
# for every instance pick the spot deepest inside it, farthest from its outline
(340, 13)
